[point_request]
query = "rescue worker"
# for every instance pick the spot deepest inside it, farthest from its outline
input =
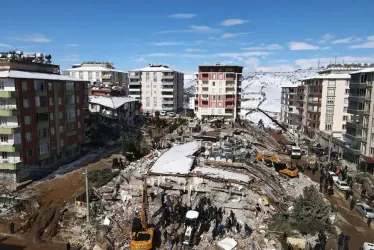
(11, 227)
(369, 221)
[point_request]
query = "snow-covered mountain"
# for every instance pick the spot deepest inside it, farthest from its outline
(264, 89)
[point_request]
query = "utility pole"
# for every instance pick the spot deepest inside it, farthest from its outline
(87, 197)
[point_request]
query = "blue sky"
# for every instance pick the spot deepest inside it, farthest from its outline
(259, 35)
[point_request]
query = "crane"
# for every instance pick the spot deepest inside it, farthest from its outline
(142, 238)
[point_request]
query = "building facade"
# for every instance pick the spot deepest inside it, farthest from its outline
(289, 112)
(360, 131)
(102, 75)
(41, 119)
(157, 87)
(218, 91)
(325, 104)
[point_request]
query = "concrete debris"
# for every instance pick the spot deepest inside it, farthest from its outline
(227, 244)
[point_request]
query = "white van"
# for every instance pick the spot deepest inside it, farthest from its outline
(295, 152)
(162, 113)
(367, 246)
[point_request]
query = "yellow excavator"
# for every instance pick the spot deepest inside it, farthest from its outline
(142, 233)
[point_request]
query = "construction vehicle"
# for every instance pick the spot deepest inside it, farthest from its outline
(285, 169)
(142, 233)
(267, 158)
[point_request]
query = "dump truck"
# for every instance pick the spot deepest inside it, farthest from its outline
(285, 169)
(142, 233)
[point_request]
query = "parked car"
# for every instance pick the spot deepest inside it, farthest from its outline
(171, 114)
(342, 185)
(162, 113)
(365, 210)
(333, 175)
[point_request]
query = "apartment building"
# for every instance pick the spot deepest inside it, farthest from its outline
(325, 103)
(289, 112)
(41, 117)
(103, 75)
(218, 91)
(360, 132)
(158, 87)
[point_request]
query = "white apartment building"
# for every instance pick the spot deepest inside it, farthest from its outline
(326, 103)
(99, 73)
(289, 111)
(191, 103)
(158, 87)
(218, 91)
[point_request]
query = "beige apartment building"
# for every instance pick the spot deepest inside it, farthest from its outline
(325, 104)
(289, 103)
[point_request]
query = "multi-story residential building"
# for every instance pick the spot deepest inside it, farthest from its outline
(191, 103)
(218, 91)
(289, 112)
(103, 75)
(41, 118)
(360, 131)
(158, 87)
(325, 103)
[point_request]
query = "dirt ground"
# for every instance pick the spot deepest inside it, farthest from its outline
(52, 196)
(350, 222)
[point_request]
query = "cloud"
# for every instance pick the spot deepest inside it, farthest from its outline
(231, 22)
(267, 47)
(345, 40)
(239, 56)
(71, 45)
(243, 54)
(232, 35)
(369, 44)
(191, 28)
(36, 38)
(70, 58)
(5, 45)
(313, 62)
(302, 46)
(167, 43)
(182, 16)
(175, 55)
(328, 36)
(195, 50)
(139, 60)
(325, 48)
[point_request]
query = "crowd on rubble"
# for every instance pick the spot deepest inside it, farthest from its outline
(210, 218)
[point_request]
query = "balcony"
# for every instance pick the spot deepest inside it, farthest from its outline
(135, 76)
(8, 94)
(167, 94)
(41, 92)
(166, 107)
(230, 77)
(136, 83)
(10, 148)
(354, 125)
(205, 77)
(167, 102)
(10, 164)
(354, 137)
(356, 98)
(8, 110)
(167, 83)
(355, 111)
(167, 77)
(368, 98)
(9, 130)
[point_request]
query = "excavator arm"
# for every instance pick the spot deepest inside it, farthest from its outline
(144, 215)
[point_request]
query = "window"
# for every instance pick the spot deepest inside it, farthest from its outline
(62, 143)
(80, 75)
(147, 102)
(329, 117)
(4, 138)
(346, 91)
(53, 145)
(27, 120)
(97, 75)
(330, 100)
(78, 112)
(61, 129)
(347, 83)
(345, 109)
(213, 84)
(89, 75)
(330, 92)
(50, 101)
(26, 103)
(51, 116)
(79, 124)
(328, 127)
(331, 84)
(220, 104)
(52, 131)
(28, 136)
(50, 86)
(343, 126)
(29, 152)
(1, 85)
(59, 101)
(24, 86)
(345, 100)
(3, 120)
(60, 115)
(4, 155)
(330, 110)
(345, 117)
(77, 99)
(220, 90)
(155, 101)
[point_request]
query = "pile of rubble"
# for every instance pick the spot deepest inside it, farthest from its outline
(215, 164)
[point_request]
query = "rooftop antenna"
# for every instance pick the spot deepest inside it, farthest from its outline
(335, 59)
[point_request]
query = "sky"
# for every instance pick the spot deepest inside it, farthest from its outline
(259, 35)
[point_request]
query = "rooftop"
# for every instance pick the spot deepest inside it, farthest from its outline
(35, 75)
(155, 68)
(113, 102)
(178, 160)
(328, 76)
(93, 68)
(367, 70)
